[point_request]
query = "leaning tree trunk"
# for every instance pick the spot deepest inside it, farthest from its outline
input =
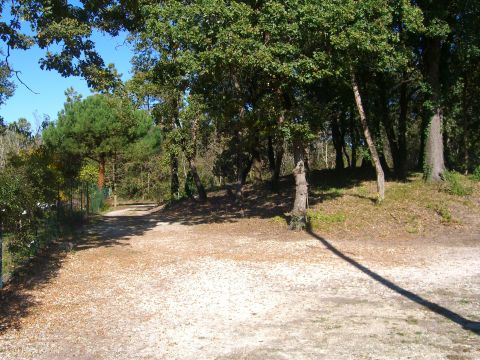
(434, 161)
(298, 214)
(101, 174)
(368, 138)
(202, 194)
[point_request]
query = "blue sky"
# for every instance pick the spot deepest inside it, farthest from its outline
(50, 85)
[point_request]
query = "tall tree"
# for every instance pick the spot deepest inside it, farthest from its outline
(96, 128)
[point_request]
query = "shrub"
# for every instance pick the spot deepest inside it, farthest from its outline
(455, 184)
(476, 173)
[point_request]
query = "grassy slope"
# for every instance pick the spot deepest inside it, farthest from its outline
(411, 208)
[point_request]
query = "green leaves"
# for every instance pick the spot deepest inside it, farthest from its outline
(98, 126)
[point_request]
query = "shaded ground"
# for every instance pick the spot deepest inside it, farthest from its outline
(219, 281)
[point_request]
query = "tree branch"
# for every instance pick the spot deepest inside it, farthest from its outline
(17, 72)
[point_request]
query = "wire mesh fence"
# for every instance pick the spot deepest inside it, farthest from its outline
(23, 241)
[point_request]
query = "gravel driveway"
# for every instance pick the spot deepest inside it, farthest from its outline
(141, 286)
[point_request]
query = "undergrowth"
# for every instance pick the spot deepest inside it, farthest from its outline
(411, 208)
(456, 184)
(476, 174)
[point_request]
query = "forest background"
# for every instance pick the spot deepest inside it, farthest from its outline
(225, 93)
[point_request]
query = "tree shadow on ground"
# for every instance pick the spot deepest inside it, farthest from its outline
(466, 324)
(259, 201)
(16, 301)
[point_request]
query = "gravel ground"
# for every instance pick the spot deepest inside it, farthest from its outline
(143, 287)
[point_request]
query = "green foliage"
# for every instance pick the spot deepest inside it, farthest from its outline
(96, 127)
(29, 188)
(476, 174)
(455, 184)
(88, 173)
(7, 87)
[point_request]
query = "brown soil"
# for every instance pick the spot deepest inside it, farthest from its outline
(217, 281)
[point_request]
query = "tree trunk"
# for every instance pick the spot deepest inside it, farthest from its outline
(368, 138)
(434, 160)
(271, 154)
(388, 125)
(202, 194)
(345, 152)
(337, 143)
(242, 173)
(277, 167)
(174, 182)
(354, 138)
(423, 140)
(391, 137)
(384, 163)
(298, 214)
(101, 173)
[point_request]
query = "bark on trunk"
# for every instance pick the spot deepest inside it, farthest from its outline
(202, 194)
(298, 214)
(368, 138)
(434, 160)
(101, 174)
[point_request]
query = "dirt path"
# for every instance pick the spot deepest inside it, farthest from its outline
(146, 287)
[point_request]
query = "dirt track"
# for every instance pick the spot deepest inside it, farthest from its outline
(145, 286)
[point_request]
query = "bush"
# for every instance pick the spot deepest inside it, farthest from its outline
(455, 184)
(476, 173)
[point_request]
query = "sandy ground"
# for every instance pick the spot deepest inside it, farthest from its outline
(142, 286)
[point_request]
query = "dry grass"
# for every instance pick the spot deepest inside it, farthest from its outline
(410, 208)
